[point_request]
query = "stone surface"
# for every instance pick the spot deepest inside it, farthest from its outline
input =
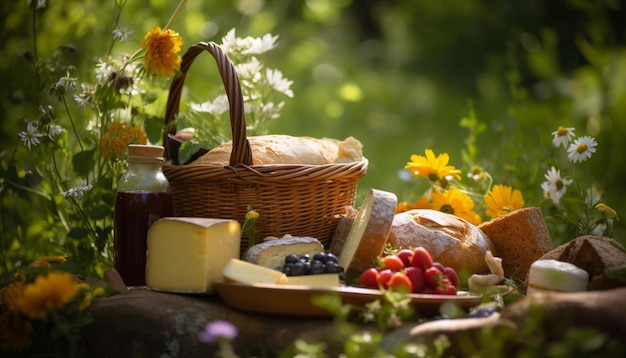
(145, 323)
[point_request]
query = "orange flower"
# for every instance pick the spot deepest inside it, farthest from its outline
(431, 167)
(118, 136)
(163, 46)
(421, 203)
(502, 199)
(48, 292)
(456, 202)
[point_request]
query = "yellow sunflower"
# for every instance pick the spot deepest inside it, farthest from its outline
(431, 167)
(162, 47)
(456, 202)
(421, 203)
(502, 199)
(48, 292)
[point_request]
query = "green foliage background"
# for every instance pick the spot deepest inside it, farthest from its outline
(398, 75)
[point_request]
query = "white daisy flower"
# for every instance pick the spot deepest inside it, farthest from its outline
(260, 45)
(581, 149)
(562, 136)
(54, 130)
(78, 191)
(278, 82)
(250, 68)
(554, 179)
(217, 106)
(31, 136)
(550, 192)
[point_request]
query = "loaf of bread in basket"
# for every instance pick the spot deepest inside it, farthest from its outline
(286, 149)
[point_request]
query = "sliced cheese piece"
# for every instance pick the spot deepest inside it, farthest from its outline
(245, 272)
(368, 234)
(327, 280)
(553, 275)
(189, 254)
(480, 283)
(272, 253)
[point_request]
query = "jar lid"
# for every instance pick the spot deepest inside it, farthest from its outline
(140, 150)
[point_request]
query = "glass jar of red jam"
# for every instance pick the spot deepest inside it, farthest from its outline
(142, 198)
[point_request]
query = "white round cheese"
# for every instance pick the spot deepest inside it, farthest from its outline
(553, 275)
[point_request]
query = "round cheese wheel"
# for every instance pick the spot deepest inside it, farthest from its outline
(272, 253)
(449, 239)
(553, 275)
(368, 233)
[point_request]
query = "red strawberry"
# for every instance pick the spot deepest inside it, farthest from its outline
(432, 277)
(416, 275)
(421, 258)
(400, 282)
(405, 256)
(439, 265)
(384, 276)
(392, 262)
(452, 276)
(369, 278)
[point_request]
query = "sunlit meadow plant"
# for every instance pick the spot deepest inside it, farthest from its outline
(447, 192)
(575, 205)
(207, 122)
(76, 146)
(43, 309)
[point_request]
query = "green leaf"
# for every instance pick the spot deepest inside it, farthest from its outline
(153, 125)
(187, 150)
(83, 162)
(78, 233)
(100, 212)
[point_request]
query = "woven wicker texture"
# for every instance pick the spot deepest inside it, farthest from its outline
(300, 200)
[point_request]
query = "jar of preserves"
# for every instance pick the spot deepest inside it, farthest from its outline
(142, 197)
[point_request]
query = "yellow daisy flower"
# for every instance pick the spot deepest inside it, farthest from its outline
(48, 292)
(431, 167)
(162, 51)
(502, 199)
(14, 332)
(456, 202)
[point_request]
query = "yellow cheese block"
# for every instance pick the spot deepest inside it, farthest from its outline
(326, 280)
(245, 272)
(189, 254)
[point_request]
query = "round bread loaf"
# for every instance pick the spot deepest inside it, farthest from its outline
(449, 239)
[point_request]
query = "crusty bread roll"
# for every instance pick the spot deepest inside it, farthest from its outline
(368, 234)
(449, 239)
(285, 149)
(520, 237)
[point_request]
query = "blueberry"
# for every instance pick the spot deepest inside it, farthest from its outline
(297, 269)
(331, 258)
(290, 259)
(320, 256)
(332, 267)
(305, 258)
(307, 268)
(317, 267)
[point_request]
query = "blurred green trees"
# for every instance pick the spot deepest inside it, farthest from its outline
(398, 75)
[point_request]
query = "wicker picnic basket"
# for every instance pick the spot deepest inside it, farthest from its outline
(300, 200)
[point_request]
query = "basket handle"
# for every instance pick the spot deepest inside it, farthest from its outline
(241, 152)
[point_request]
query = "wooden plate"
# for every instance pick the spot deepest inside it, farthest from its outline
(296, 300)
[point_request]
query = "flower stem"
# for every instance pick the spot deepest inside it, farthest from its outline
(179, 8)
